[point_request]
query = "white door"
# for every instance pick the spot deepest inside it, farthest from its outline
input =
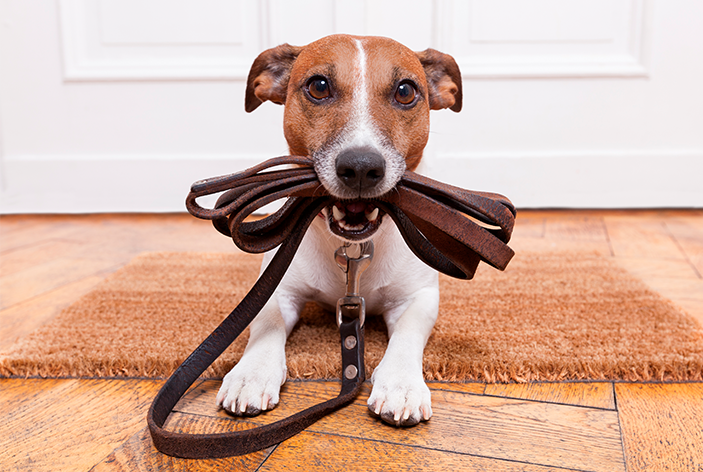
(118, 105)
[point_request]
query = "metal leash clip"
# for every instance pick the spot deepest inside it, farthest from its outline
(352, 305)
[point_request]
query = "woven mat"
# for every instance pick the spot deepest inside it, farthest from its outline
(548, 317)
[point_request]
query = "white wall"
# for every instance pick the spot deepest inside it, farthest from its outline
(118, 105)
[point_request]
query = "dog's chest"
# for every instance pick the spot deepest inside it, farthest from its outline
(395, 274)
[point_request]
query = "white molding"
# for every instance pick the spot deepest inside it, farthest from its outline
(630, 60)
(516, 68)
(221, 63)
(160, 183)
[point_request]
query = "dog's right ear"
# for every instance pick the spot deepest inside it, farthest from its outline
(268, 77)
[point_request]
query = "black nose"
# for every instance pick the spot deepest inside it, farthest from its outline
(360, 168)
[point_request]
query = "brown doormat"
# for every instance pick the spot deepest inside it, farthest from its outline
(548, 317)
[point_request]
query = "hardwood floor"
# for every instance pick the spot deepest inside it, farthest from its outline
(47, 262)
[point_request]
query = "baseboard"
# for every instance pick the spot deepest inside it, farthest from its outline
(105, 184)
(97, 184)
(625, 179)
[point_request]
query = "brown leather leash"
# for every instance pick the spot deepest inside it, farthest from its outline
(449, 228)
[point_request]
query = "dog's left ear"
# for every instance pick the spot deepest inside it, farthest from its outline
(268, 77)
(443, 79)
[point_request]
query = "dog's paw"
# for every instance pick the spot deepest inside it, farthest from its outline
(251, 387)
(400, 400)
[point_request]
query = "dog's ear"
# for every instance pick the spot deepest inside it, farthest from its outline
(268, 77)
(443, 79)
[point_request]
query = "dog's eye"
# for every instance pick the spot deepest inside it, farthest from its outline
(405, 93)
(318, 88)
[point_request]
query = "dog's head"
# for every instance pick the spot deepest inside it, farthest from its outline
(359, 106)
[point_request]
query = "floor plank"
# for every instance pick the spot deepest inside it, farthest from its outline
(138, 452)
(688, 233)
(692, 307)
(23, 231)
(590, 394)
(638, 237)
(132, 234)
(501, 428)
(601, 248)
(22, 318)
(529, 227)
(37, 254)
(685, 293)
(320, 452)
(576, 228)
(661, 426)
(68, 425)
(50, 275)
(658, 268)
(467, 387)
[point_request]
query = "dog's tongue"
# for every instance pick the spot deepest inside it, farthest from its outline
(356, 207)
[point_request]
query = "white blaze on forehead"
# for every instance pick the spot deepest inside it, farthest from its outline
(361, 95)
(363, 131)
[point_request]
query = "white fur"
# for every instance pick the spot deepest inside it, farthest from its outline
(396, 285)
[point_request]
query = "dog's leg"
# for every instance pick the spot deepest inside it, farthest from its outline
(400, 395)
(252, 386)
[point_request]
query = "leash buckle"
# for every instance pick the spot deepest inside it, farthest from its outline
(353, 305)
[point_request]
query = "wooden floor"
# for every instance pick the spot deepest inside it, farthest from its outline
(47, 262)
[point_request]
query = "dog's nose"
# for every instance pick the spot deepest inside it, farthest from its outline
(360, 168)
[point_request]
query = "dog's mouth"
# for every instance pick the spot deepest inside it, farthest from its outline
(354, 220)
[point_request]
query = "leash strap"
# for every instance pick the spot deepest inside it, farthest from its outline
(449, 228)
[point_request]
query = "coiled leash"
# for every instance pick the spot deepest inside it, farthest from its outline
(449, 228)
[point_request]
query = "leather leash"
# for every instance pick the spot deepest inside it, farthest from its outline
(449, 228)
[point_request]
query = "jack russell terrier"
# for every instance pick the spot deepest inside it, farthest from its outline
(359, 106)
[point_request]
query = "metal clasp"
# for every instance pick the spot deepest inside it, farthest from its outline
(353, 305)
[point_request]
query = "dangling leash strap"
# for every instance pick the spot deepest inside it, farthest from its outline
(449, 228)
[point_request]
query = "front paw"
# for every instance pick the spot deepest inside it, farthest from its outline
(251, 387)
(400, 400)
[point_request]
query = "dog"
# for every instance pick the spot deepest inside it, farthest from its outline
(359, 106)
